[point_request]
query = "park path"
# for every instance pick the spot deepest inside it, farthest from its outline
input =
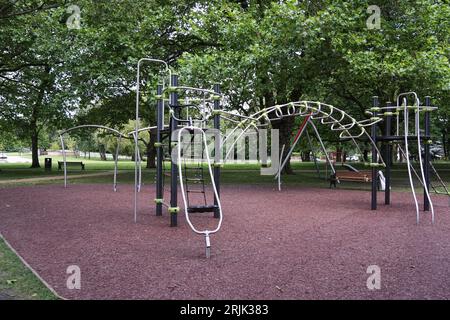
(50, 178)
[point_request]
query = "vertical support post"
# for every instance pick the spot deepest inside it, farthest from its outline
(426, 164)
(217, 151)
(159, 150)
(116, 160)
(63, 148)
(174, 167)
(374, 156)
(388, 154)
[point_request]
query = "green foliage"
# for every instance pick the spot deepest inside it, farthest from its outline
(325, 52)
(262, 52)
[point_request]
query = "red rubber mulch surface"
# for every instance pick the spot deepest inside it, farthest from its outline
(300, 243)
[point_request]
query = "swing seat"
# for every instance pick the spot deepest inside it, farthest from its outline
(202, 209)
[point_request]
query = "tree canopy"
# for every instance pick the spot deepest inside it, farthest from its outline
(261, 52)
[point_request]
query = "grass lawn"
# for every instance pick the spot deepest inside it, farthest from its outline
(305, 174)
(17, 282)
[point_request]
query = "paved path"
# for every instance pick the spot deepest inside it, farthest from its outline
(49, 178)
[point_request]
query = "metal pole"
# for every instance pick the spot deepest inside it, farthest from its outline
(174, 167)
(64, 159)
(314, 154)
(136, 142)
(137, 179)
(217, 151)
(408, 162)
(119, 140)
(294, 144)
(279, 169)
(388, 155)
(426, 164)
(159, 151)
(139, 166)
(327, 156)
(374, 157)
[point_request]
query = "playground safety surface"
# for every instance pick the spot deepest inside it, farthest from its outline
(301, 243)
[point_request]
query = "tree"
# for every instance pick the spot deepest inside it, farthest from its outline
(262, 52)
(49, 72)
(10, 9)
(34, 88)
(283, 51)
(107, 69)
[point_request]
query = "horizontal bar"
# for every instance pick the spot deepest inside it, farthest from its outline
(401, 138)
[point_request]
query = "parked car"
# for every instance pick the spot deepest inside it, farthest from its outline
(353, 158)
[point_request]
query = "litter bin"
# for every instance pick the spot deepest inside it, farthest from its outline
(48, 164)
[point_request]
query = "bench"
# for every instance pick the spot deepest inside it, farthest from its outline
(70, 163)
(361, 176)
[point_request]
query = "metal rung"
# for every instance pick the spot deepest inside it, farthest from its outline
(201, 209)
(195, 191)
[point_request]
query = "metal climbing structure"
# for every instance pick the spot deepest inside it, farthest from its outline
(194, 112)
(338, 120)
(190, 112)
(118, 134)
(406, 112)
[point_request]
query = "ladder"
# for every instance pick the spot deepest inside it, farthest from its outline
(198, 178)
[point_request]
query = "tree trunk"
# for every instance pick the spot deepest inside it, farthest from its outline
(102, 152)
(151, 152)
(35, 149)
(446, 149)
(285, 130)
(45, 84)
(338, 154)
(445, 144)
(306, 156)
(400, 155)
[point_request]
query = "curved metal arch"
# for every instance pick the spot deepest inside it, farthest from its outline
(92, 126)
(119, 134)
(317, 109)
(131, 133)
